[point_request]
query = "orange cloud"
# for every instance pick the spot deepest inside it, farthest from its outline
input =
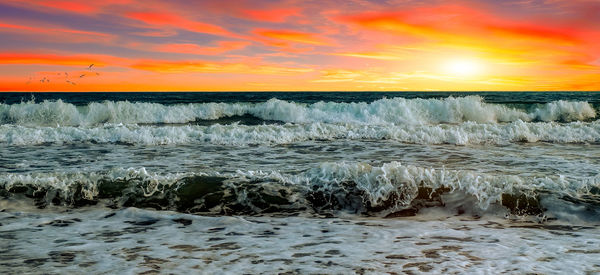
(176, 21)
(49, 59)
(382, 52)
(77, 60)
(283, 36)
(214, 67)
(455, 23)
(533, 32)
(222, 46)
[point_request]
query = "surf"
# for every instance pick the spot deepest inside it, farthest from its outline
(391, 189)
(387, 111)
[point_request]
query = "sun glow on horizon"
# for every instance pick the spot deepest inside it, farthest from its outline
(463, 67)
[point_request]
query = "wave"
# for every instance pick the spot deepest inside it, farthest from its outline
(235, 134)
(391, 189)
(383, 111)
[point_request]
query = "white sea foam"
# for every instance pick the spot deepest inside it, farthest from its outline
(234, 134)
(105, 241)
(383, 111)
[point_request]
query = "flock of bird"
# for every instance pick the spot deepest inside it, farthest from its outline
(47, 80)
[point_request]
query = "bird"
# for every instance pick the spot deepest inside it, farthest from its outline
(90, 66)
(81, 75)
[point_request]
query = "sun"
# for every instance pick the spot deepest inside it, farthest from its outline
(463, 67)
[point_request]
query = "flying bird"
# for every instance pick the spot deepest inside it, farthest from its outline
(90, 66)
(81, 75)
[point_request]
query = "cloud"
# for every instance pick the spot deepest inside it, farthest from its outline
(54, 59)
(167, 66)
(52, 32)
(459, 23)
(187, 48)
(290, 41)
(171, 20)
(77, 7)
(284, 36)
(273, 15)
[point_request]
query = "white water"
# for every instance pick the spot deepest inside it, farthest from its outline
(106, 241)
(383, 111)
(234, 134)
(377, 183)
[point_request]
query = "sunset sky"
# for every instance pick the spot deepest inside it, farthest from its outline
(292, 45)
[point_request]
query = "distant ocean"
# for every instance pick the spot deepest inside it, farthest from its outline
(303, 182)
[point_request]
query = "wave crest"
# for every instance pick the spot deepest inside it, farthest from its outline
(355, 187)
(235, 134)
(383, 111)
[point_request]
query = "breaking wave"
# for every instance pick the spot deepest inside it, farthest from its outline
(399, 111)
(272, 134)
(391, 189)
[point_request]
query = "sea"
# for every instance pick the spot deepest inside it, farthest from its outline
(300, 183)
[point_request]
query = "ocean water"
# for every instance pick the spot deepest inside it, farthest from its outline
(300, 183)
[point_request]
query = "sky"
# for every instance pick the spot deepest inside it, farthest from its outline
(292, 45)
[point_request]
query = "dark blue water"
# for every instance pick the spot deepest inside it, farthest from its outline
(300, 97)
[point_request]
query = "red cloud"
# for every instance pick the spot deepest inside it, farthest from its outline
(77, 7)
